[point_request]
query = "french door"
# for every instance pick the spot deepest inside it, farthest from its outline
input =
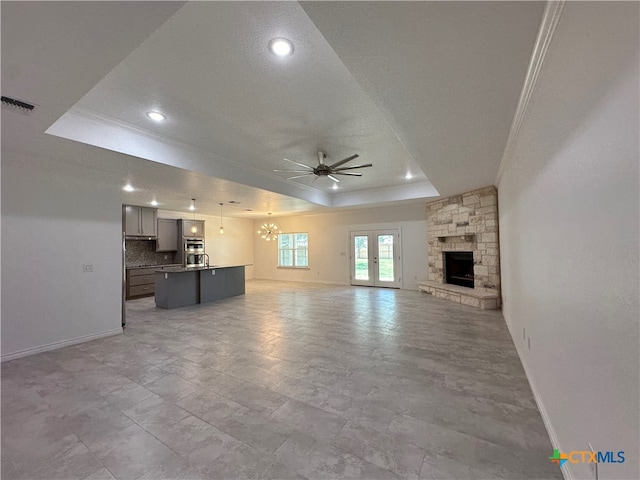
(375, 258)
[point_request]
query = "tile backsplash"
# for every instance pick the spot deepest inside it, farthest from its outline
(143, 252)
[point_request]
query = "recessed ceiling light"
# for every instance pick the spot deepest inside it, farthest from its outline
(128, 188)
(335, 186)
(408, 176)
(154, 203)
(281, 47)
(157, 116)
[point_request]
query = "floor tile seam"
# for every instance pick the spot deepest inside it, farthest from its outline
(93, 455)
(354, 454)
(453, 428)
(185, 457)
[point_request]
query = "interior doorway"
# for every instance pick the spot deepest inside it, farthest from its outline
(375, 258)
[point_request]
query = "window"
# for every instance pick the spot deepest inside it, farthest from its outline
(293, 250)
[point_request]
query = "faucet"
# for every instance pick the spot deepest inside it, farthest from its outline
(206, 263)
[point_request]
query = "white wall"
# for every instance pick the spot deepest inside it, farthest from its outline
(329, 243)
(234, 247)
(52, 224)
(569, 212)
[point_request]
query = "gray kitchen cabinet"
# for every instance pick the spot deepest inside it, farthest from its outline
(186, 228)
(140, 221)
(148, 220)
(167, 240)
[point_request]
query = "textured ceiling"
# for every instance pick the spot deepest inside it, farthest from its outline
(428, 88)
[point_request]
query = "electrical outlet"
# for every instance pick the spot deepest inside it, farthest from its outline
(87, 268)
(593, 466)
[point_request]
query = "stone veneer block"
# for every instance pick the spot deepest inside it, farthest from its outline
(466, 223)
(485, 300)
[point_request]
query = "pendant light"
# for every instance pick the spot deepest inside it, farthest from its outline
(221, 227)
(194, 227)
(269, 231)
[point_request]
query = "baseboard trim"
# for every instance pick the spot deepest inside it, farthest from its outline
(55, 345)
(566, 473)
(325, 282)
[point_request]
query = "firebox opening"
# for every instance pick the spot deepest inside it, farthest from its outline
(458, 267)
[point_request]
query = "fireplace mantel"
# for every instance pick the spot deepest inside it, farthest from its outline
(467, 237)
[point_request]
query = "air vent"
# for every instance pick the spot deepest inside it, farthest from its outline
(17, 105)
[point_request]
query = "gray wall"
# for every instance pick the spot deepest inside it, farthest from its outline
(53, 222)
(568, 203)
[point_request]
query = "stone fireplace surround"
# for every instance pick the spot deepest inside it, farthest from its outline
(465, 223)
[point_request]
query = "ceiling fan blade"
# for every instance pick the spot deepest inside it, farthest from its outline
(333, 178)
(342, 162)
(354, 167)
(299, 164)
(348, 173)
(293, 171)
(298, 176)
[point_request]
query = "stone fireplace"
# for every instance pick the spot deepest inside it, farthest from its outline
(464, 253)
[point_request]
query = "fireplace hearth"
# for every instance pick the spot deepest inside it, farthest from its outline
(458, 267)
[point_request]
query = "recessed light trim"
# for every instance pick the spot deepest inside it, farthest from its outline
(128, 188)
(281, 47)
(154, 203)
(335, 186)
(408, 176)
(156, 116)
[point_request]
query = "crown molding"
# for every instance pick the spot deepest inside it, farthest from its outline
(550, 19)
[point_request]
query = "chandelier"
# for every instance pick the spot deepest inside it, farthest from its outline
(269, 231)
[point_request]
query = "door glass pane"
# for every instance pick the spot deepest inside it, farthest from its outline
(385, 258)
(361, 256)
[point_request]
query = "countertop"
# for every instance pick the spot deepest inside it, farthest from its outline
(181, 269)
(165, 265)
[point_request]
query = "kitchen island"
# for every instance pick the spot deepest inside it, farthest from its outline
(179, 287)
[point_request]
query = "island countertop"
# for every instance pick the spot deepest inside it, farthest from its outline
(181, 269)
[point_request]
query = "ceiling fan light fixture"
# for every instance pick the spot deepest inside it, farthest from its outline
(326, 170)
(281, 47)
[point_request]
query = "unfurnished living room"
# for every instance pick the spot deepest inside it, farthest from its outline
(320, 240)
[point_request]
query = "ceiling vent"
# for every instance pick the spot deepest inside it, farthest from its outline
(17, 105)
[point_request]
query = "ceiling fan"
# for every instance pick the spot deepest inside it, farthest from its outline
(324, 170)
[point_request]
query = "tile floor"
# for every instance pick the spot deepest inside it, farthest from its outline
(289, 381)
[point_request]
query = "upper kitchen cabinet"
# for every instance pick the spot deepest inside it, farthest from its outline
(187, 228)
(167, 235)
(140, 221)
